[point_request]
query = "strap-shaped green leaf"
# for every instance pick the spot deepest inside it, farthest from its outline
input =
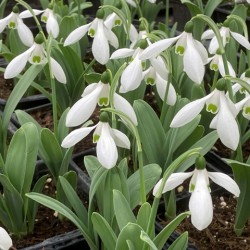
(122, 209)
(180, 243)
(162, 237)
(51, 151)
(144, 237)
(105, 231)
(143, 215)
(151, 173)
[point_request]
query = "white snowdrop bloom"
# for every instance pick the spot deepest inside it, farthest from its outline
(48, 17)
(14, 21)
(225, 33)
(97, 93)
(101, 34)
(216, 63)
(244, 105)
(237, 87)
(36, 54)
(217, 102)
(5, 240)
(194, 54)
(107, 139)
(200, 203)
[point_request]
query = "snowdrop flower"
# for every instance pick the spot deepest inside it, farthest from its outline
(237, 87)
(218, 103)
(36, 54)
(101, 34)
(200, 203)
(216, 63)
(14, 21)
(107, 140)
(133, 74)
(226, 34)
(194, 53)
(5, 242)
(97, 93)
(244, 105)
(47, 17)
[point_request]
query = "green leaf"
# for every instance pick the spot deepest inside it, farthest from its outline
(23, 117)
(242, 177)
(143, 215)
(21, 157)
(65, 211)
(193, 9)
(144, 237)
(92, 164)
(151, 133)
(74, 200)
(211, 6)
(62, 129)
(122, 209)
(180, 243)
(131, 232)
(152, 173)
(162, 237)
(104, 230)
(18, 92)
(51, 151)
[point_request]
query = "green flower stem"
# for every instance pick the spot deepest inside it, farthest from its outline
(215, 79)
(134, 130)
(2, 8)
(53, 86)
(137, 2)
(172, 167)
(167, 14)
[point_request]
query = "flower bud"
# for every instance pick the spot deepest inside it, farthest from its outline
(100, 14)
(221, 84)
(39, 38)
(15, 9)
(189, 27)
(105, 77)
(143, 44)
(200, 162)
(50, 6)
(104, 117)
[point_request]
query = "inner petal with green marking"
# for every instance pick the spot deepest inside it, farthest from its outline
(12, 25)
(36, 59)
(91, 32)
(214, 67)
(103, 101)
(96, 138)
(180, 50)
(212, 108)
(150, 81)
(44, 19)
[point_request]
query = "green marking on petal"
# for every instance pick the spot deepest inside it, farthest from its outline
(227, 39)
(96, 138)
(180, 50)
(143, 64)
(44, 19)
(103, 101)
(150, 81)
(118, 22)
(242, 90)
(36, 59)
(12, 25)
(212, 108)
(191, 187)
(247, 110)
(214, 67)
(91, 32)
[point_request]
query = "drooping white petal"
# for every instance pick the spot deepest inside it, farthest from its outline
(58, 71)
(121, 140)
(188, 112)
(5, 242)
(17, 64)
(133, 34)
(227, 127)
(125, 107)
(91, 87)
(208, 34)
(83, 108)
(52, 25)
(122, 53)
(75, 136)
(213, 46)
(172, 182)
(161, 86)
(100, 47)
(156, 48)
(200, 203)
(239, 105)
(106, 149)
(225, 181)
(76, 34)
(132, 75)
(110, 20)
(202, 51)
(25, 34)
(4, 23)
(241, 39)
(27, 13)
(222, 69)
(192, 62)
(159, 66)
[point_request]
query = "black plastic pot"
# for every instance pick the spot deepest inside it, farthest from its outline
(67, 241)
